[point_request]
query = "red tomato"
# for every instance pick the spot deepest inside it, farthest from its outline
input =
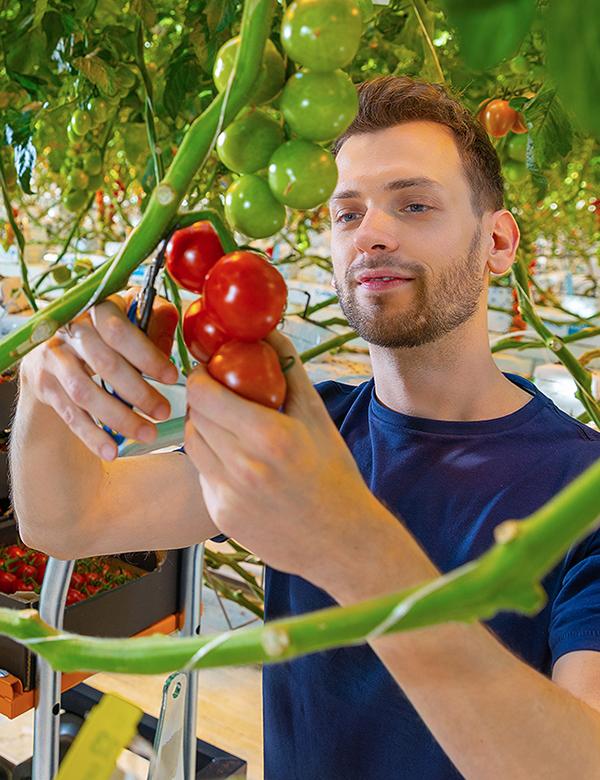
(7, 582)
(245, 294)
(202, 337)
(92, 589)
(24, 586)
(37, 558)
(191, 252)
(497, 117)
(15, 552)
(77, 580)
(73, 596)
(41, 571)
(250, 369)
(26, 572)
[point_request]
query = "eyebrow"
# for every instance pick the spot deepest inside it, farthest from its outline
(391, 186)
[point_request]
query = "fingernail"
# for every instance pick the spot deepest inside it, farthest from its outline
(146, 434)
(161, 412)
(107, 452)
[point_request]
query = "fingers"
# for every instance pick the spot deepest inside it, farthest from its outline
(163, 322)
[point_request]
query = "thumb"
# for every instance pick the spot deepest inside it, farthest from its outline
(302, 400)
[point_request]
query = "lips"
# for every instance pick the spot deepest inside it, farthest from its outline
(372, 276)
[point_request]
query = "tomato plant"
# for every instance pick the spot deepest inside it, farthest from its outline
(497, 117)
(190, 253)
(201, 335)
(323, 35)
(245, 295)
(246, 145)
(250, 369)
(252, 209)
(301, 174)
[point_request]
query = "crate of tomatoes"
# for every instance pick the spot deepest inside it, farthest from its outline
(115, 596)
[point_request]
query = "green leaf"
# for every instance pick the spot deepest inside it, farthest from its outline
(19, 131)
(181, 78)
(38, 14)
(97, 71)
(573, 41)
(145, 10)
(549, 127)
(218, 14)
(490, 30)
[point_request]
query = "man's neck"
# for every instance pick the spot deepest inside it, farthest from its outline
(454, 378)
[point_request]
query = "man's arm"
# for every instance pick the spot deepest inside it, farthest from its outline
(307, 511)
(71, 496)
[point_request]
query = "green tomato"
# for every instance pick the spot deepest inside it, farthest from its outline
(135, 141)
(251, 209)
(92, 162)
(246, 146)
(301, 174)
(73, 137)
(322, 35)
(520, 65)
(515, 172)
(126, 76)
(98, 110)
(95, 183)
(270, 80)
(319, 105)
(78, 179)
(61, 274)
(516, 148)
(81, 121)
(75, 199)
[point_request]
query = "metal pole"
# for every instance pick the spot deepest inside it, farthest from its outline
(47, 714)
(193, 559)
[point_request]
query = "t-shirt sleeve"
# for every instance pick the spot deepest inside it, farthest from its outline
(575, 616)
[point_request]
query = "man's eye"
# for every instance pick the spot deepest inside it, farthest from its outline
(348, 216)
(417, 208)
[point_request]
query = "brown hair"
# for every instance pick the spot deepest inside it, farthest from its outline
(387, 101)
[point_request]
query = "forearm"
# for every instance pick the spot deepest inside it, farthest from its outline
(493, 715)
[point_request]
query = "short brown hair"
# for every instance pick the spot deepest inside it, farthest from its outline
(387, 101)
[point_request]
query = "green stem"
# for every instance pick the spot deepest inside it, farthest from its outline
(182, 351)
(326, 346)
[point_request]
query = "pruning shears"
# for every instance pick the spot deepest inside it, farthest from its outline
(139, 314)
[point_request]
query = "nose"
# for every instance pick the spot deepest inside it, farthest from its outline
(376, 233)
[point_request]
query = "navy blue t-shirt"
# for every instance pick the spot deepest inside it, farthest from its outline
(338, 714)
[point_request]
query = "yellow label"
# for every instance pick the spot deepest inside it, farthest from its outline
(110, 727)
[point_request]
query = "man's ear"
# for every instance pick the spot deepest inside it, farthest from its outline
(505, 237)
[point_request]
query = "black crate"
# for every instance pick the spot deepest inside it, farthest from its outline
(119, 612)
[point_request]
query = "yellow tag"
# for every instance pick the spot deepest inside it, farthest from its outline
(110, 727)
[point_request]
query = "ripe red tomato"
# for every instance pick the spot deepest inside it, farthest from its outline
(26, 572)
(250, 369)
(7, 582)
(73, 596)
(77, 580)
(245, 295)
(497, 117)
(29, 587)
(191, 252)
(519, 126)
(202, 337)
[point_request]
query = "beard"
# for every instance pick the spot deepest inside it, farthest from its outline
(439, 307)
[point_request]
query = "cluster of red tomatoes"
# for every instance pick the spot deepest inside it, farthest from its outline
(317, 103)
(499, 119)
(22, 570)
(242, 298)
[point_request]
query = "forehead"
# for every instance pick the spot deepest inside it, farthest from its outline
(413, 150)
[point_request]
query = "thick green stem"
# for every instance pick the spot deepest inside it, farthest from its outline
(161, 212)
(326, 346)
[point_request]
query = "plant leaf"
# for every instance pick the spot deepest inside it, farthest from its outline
(181, 78)
(97, 71)
(19, 131)
(549, 127)
(573, 40)
(145, 10)
(490, 30)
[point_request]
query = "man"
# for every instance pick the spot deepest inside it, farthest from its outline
(433, 453)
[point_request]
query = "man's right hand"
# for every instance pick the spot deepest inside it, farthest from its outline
(105, 343)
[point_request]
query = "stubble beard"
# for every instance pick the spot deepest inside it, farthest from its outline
(438, 308)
